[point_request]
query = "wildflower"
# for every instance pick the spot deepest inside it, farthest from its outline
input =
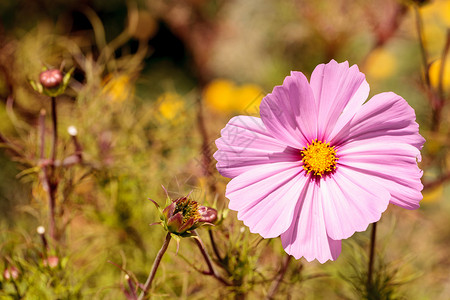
(321, 164)
(224, 96)
(171, 107)
(381, 64)
(435, 70)
(184, 215)
(118, 88)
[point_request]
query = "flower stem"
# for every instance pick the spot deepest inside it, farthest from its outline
(55, 130)
(423, 50)
(46, 179)
(371, 254)
(212, 271)
(214, 246)
(274, 287)
(155, 266)
(53, 185)
(206, 148)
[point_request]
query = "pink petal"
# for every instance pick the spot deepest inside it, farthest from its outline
(307, 235)
(339, 92)
(351, 201)
(245, 144)
(386, 117)
(289, 112)
(383, 141)
(393, 165)
(265, 197)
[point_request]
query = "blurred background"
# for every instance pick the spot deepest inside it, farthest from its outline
(153, 84)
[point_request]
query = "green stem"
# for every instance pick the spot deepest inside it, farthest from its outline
(155, 266)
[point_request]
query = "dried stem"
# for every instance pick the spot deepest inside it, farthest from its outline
(371, 255)
(211, 271)
(276, 284)
(205, 150)
(155, 266)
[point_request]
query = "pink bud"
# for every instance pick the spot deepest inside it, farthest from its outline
(51, 78)
(208, 214)
(11, 273)
(51, 261)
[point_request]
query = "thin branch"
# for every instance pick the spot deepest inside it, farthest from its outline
(423, 50)
(276, 284)
(205, 148)
(212, 271)
(214, 246)
(437, 182)
(155, 266)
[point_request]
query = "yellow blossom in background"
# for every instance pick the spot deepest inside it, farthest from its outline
(436, 20)
(444, 11)
(170, 107)
(380, 64)
(434, 71)
(118, 88)
(225, 96)
(219, 94)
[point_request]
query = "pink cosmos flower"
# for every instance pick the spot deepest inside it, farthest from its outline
(321, 164)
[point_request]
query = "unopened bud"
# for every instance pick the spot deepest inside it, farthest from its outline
(40, 230)
(208, 214)
(51, 78)
(72, 130)
(51, 261)
(11, 273)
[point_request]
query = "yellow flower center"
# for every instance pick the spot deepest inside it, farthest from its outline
(319, 158)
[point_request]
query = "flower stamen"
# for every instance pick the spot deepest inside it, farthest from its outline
(319, 158)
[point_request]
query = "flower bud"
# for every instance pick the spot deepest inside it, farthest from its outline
(52, 82)
(51, 78)
(11, 273)
(72, 130)
(184, 215)
(51, 261)
(40, 230)
(208, 214)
